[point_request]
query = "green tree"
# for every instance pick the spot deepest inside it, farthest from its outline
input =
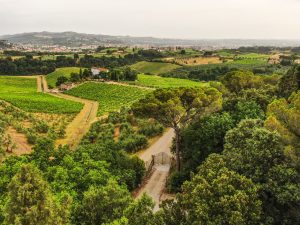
(198, 140)
(290, 82)
(74, 77)
(257, 153)
(236, 81)
(215, 196)
(61, 80)
(176, 108)
(103, 204)
(30, 200)
(130, 74)
(140, 212)
(283, 117)
(86, 73)
(253, 150)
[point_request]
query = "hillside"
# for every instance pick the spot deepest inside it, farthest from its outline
(79, 39)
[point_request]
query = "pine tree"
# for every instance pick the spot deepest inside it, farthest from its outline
(30, 201)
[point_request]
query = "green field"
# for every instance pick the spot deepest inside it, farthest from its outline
(22, 93)
(52, 77)
(249, 61)
(253, 56)
(165, 82)
(110, 97)
(155, 68)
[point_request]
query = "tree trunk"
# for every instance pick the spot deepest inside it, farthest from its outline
(177, 143)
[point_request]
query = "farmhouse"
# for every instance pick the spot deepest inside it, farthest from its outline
(96, 70)
(66, 86)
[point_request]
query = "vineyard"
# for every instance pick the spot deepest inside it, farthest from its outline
(22, 93)
(52, 77)
(193, 61)
(110, 97)
(165, 82)
(154, 67)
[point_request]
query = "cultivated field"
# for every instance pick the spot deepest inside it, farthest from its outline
(110, 97)
(193, 61)
(22, 93)
(165, 82)
(52, 77)
(155, 68)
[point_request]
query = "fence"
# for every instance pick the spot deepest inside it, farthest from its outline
(161, 158)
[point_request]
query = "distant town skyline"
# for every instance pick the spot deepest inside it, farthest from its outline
(188, 19)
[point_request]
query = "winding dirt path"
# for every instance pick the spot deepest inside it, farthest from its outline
(163, 144)
(155, 185)
(81, 123)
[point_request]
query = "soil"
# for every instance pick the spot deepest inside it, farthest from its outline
(20, 140)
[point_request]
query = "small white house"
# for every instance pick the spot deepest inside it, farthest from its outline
(96, 70)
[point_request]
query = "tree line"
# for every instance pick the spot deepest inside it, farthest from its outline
(29, 65)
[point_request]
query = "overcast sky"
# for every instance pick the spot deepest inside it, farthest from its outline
(193, 19)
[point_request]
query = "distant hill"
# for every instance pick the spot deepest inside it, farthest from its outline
(73, 39)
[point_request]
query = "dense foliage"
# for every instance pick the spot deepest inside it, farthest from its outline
(236, 146)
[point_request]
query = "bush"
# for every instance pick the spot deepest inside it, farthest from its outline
(134, 143)
(42, 127)
(150, 128)
(31, 138)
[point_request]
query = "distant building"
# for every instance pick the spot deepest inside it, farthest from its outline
(96, 71)
(66, 86)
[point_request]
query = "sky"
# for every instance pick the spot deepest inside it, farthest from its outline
(187, 19)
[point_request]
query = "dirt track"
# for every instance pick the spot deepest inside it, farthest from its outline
(81, 123)
(163, 144)
(22, 146)
(39, 83)
(155, 186)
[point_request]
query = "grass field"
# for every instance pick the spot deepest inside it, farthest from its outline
(155, 68)
(165, 82)
(52, 77)
(110, 97)
(22, 93)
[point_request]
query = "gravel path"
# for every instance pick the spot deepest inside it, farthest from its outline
(155, 185)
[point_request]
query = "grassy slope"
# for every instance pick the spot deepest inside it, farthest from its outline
(110, 97)
(165, 82)
(22, 92)
(52, 77)
(154, 67)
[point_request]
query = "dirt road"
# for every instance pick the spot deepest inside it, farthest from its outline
(39, 80)
(163, 144)
(81, 123)
(155, 186)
